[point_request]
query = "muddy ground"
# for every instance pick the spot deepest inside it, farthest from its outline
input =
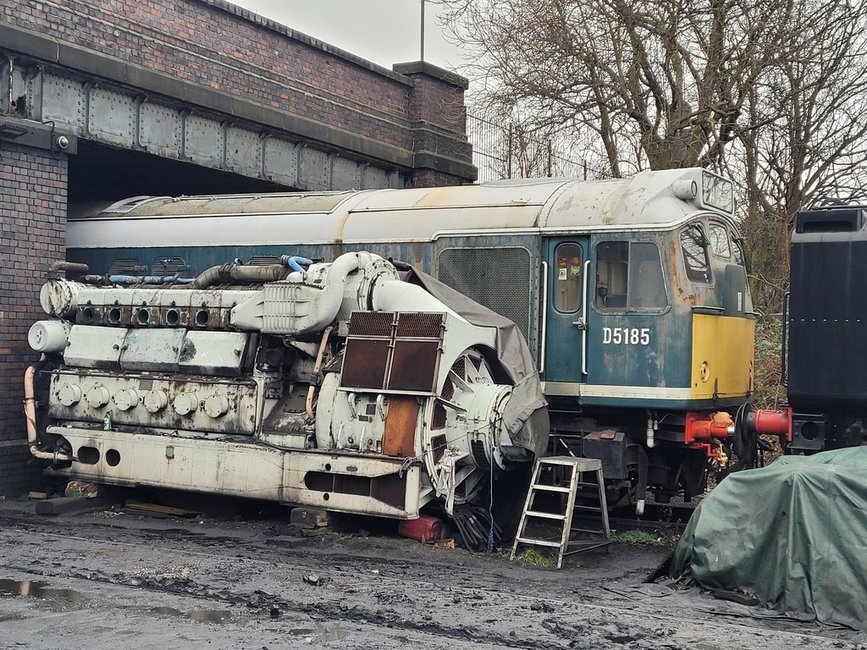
(235, 579)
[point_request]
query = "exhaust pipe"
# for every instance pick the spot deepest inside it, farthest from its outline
(311, 391)
(30, 416)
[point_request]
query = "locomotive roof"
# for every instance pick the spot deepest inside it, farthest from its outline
(646, 200)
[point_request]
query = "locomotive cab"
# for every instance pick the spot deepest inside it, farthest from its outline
(646, 348)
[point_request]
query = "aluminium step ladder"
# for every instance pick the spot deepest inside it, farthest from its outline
(568, 493)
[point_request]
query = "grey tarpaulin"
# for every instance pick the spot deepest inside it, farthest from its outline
(794, 534)
(526, 416)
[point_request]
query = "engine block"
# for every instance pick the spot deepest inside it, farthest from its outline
(339, 385)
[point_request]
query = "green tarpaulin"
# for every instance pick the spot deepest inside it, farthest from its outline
(794, 534)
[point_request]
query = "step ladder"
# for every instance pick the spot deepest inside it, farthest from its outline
(568, 489)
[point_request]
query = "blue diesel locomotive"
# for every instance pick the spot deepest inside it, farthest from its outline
(632, 293)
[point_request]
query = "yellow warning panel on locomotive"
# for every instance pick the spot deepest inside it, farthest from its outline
(722, 355)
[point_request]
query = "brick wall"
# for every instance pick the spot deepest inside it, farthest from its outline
(218, 45)
(32, 235)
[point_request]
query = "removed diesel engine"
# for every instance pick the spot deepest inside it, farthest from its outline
(339, 385)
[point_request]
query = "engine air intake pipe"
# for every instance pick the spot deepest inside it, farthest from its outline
(253, 273)
(239, 273)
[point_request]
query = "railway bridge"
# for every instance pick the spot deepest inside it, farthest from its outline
(106, 99)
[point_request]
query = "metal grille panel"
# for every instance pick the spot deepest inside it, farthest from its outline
(365, 323)
(498, 278)
(438, 422)
(263, 260)
(414, 365)
(127, 266)
(364, 364)
(170, 266)
(419, 325)
(459, 367)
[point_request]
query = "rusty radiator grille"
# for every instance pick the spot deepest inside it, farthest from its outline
(498, 278)
(364, 363)
(414, 365)
(419, 325)
(438, 422)
(459, 367)
(365, 323)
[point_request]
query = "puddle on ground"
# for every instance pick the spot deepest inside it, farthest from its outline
(198, 615)
(319, 633)
(58, 599)
(69, 599)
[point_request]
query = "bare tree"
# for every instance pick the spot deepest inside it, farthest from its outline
(805, 139)
(657, 83)
(771, 90)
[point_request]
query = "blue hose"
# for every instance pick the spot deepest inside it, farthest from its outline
(295, 262)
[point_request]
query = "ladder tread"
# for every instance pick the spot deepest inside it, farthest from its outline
(585, 464)
(552, 488)
(544, 515)
(586, 547)
(537, 542)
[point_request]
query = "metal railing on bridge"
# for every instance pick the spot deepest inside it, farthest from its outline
(510, 150)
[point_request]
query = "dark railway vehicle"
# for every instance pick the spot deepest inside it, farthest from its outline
(824, 346)
(632, 294)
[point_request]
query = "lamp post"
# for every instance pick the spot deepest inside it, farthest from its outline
(421, 33)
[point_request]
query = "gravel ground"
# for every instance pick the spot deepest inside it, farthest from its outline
(123, 581)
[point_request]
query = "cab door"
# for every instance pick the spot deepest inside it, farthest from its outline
(565, 269)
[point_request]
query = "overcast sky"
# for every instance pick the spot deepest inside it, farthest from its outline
(383, 31)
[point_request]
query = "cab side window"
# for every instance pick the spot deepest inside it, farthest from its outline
(612, 266)
(719, 240)
(740, 258)
(646, 285)
(694, 247)
(629, 277)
